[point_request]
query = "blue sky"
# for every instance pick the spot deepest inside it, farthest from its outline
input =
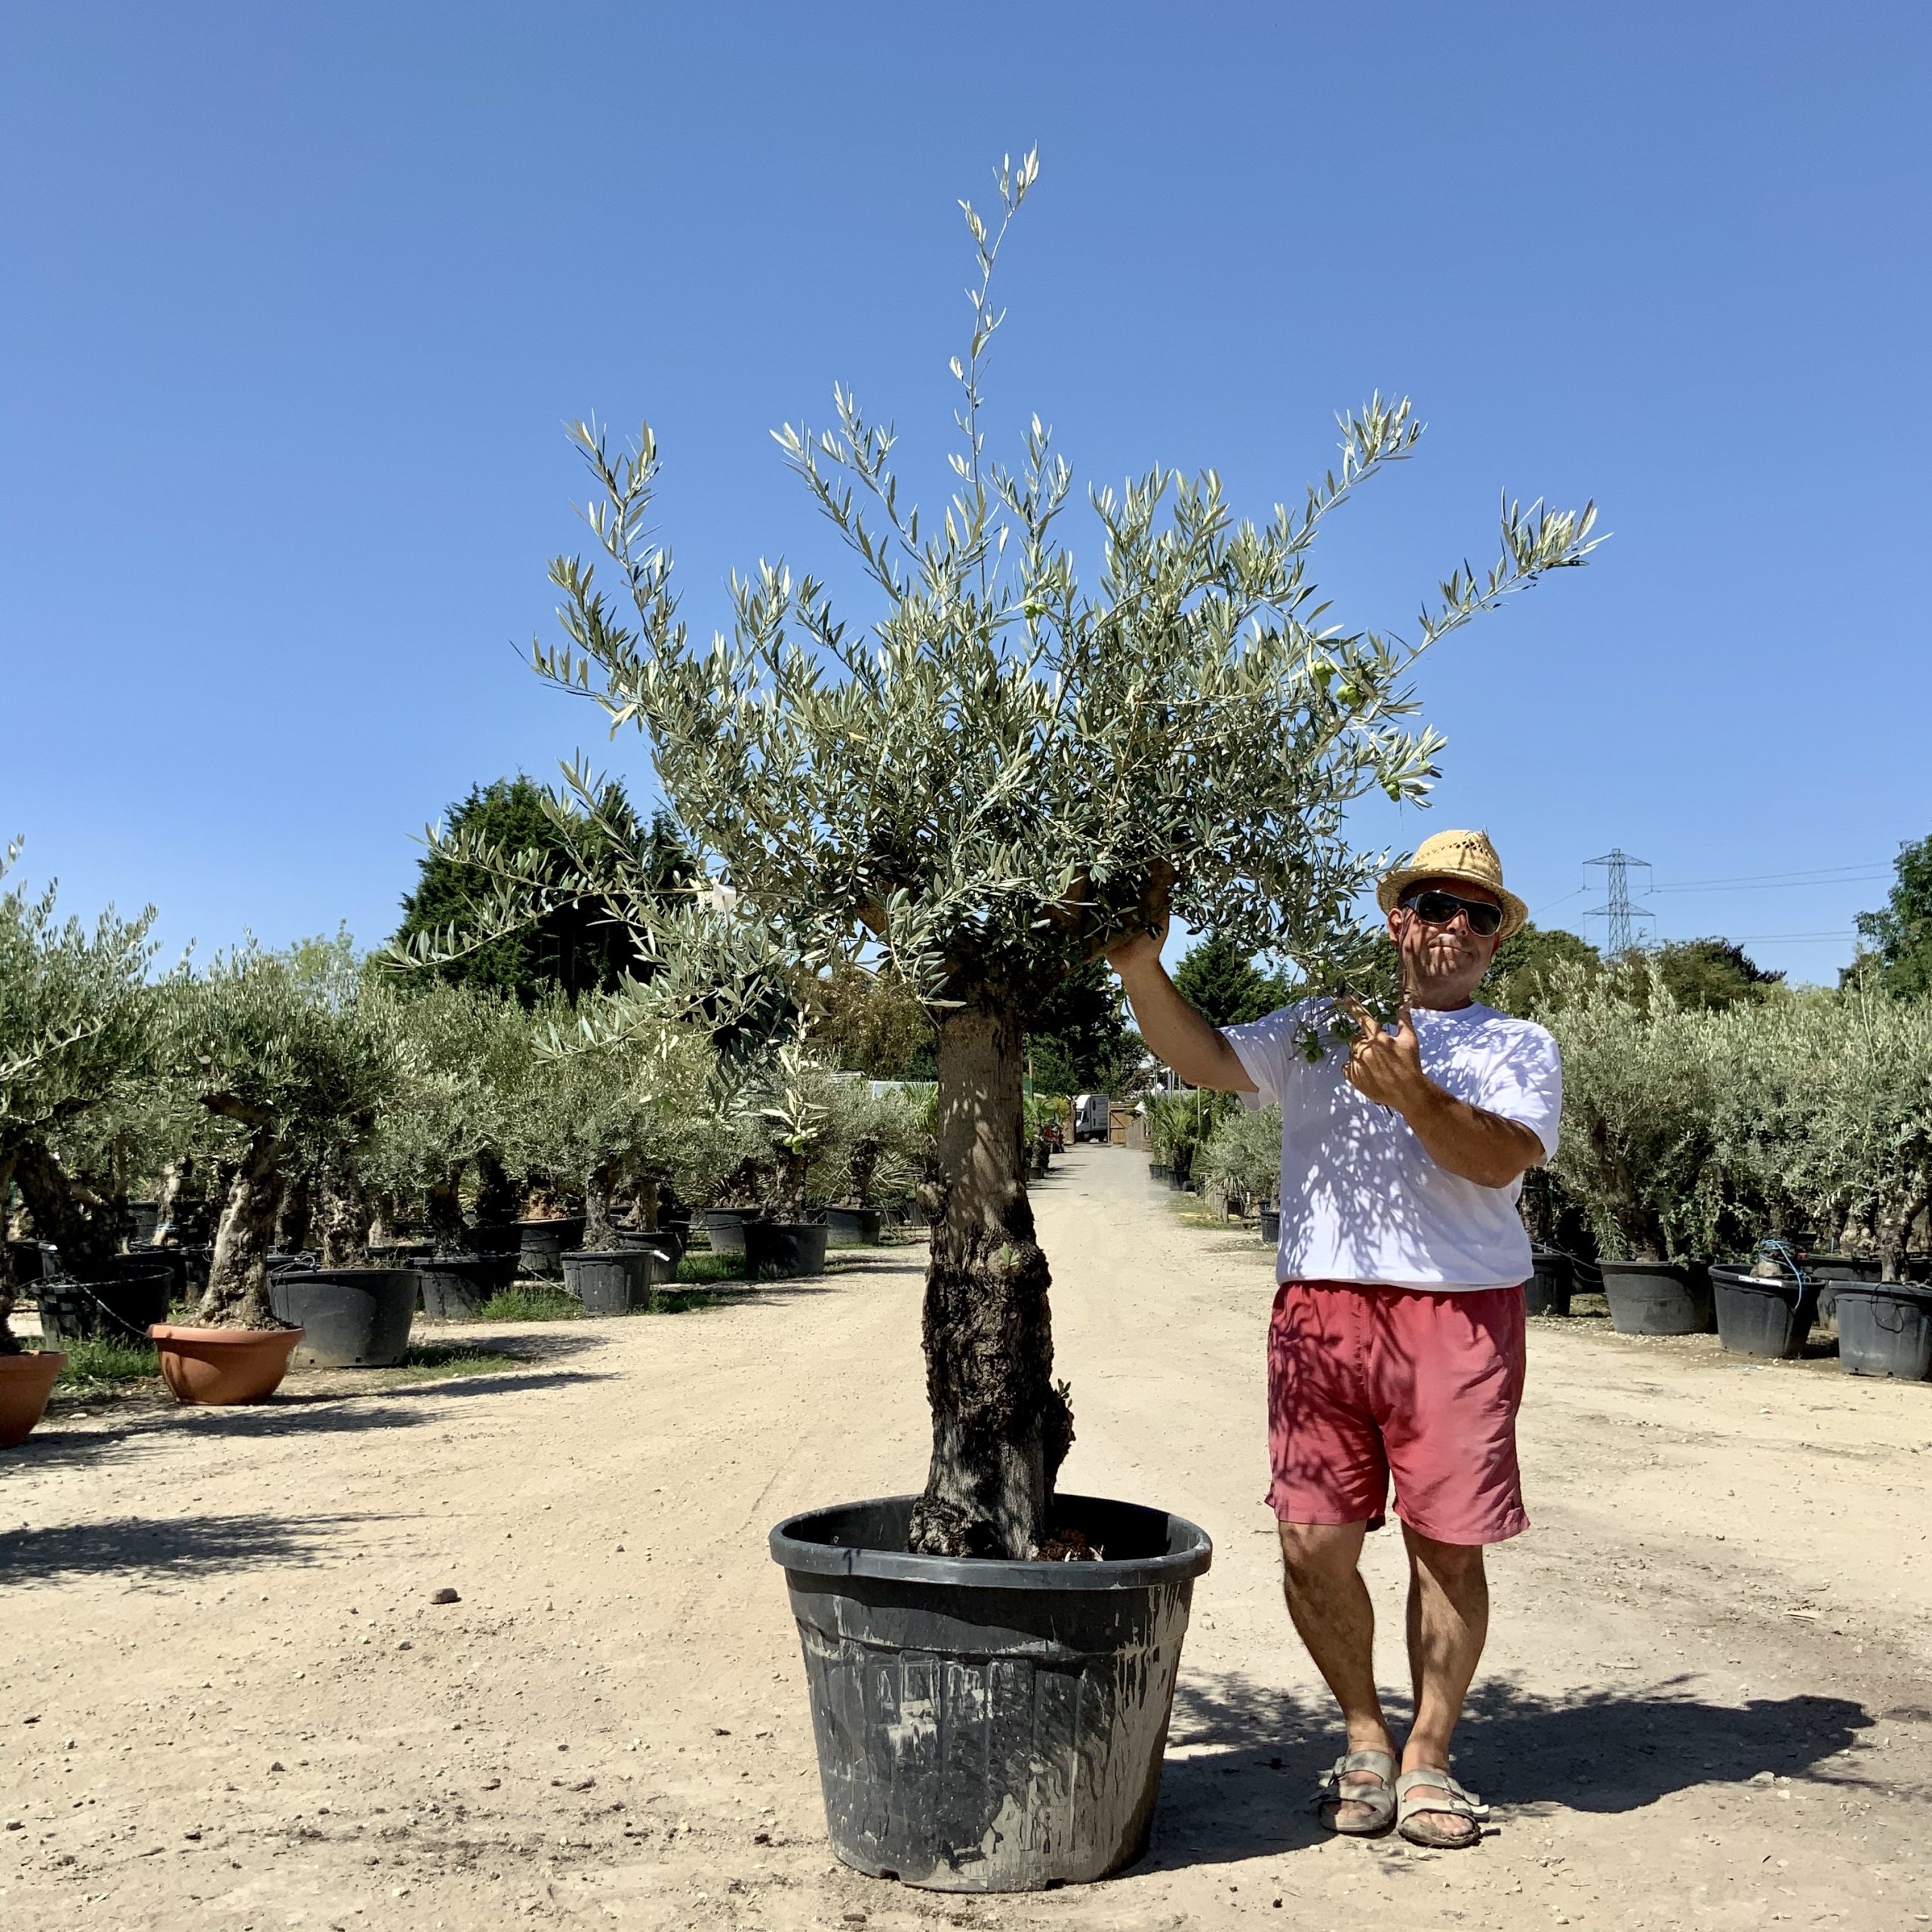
(297, 299)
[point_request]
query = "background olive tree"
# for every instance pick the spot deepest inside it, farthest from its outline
(1016, 761)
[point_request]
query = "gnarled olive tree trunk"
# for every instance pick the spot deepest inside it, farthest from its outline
(600, 1232)
(498, 1199)
(1001, 1428)
(66, 1213)
(238, 1289)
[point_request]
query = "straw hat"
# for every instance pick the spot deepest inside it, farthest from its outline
(1467, 855)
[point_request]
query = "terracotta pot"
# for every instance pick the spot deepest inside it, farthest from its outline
(220, 1366)
(25, 1382)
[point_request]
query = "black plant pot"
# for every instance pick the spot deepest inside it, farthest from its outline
(781, 1250)
(543, 1245)
(848, 1227)
(1885, 1328)
(494, 1238)
(454, 1286)
(397, 1253)
(1270, 1219)
(726, 1228)
(1762, 1315)
(120, 1309)
(352, 1318)
(32, 1259)
(669, 1242)
(1160, 1170)
(1551, 1282)
(147, 1219)
(985, 1726)
(145, 1260)
(1658, 1297)
(612, 1281)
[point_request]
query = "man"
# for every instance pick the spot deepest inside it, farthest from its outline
(1396, 1347)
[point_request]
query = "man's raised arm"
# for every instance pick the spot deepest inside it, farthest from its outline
(1173, 1031)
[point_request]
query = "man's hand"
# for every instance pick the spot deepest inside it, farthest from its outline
(1387, 1067)
(1138, 948)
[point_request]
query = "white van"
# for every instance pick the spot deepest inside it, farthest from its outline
(1091, 1113)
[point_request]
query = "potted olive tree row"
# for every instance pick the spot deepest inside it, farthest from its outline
(1006, 767)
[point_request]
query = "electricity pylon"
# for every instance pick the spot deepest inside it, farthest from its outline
(1616, 908)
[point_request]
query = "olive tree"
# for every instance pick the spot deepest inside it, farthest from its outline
(76, 1027)
(1015, 760)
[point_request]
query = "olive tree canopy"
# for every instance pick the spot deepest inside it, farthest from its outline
(1019, 759)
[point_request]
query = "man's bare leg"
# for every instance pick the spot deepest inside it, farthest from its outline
(1448, 1620)
(1330, 1604)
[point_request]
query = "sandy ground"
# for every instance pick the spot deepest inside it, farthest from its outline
(232, 1704)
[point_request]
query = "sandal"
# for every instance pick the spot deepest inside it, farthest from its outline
(1381, 1801)
(1429, 1790)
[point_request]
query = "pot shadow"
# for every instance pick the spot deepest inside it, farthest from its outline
(341, 1413)
(185, 1547)
(1251, 1793)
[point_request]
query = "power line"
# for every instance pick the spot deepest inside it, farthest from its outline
(1779, 882)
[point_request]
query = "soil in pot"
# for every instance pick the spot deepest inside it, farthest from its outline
(1658, 1297)
(356, 1318)
(542, 1245)
(220, 1366)
(1769, 1315)
(453, 1287)
(121, 1310)
(781, 1250)
(985, 1726)
(1885, 1328)
(610, 1280)
(1552, 1280)
(26, 1380)
(849, 1227)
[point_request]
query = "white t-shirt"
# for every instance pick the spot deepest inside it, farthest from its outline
(1361, 1200)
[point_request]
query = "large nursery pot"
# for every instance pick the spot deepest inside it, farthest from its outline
(120, 1309)
(726, 1228)
(26, 1380)
(986, 1725)
(1159, 1171)
(356, 1318)
(849, 1227)
(494, 1238)
(220, 1366)
(783, 1250)
(670, 1241)
(1763, 1315)
(612, 1281)
(146, 1219)
(1885, 1328)
(1270, 1220)
(543, 1245)
(453, 1287)
(1658, 1297)
(1552, 1280)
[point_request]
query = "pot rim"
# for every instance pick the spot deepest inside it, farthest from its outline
(798, 1553)
(177, 1331)
(33, 1358)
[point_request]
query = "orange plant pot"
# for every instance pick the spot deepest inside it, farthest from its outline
(26, 1381)
(220, 1366)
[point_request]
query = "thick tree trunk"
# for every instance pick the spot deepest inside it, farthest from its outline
(645, 1200)
(82, 1229)
(295, 1219)
(238, 1289)
(346, 1216)
(497, 1196)
(1001, 1428)
(863, 1166)
(599, 1230)
(443, 1210)
(10, 1343)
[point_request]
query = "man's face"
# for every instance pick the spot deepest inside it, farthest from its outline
(1442, 965)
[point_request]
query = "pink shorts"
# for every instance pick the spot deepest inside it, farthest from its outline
(1367, 1383)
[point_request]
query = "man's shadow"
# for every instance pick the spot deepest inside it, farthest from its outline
(1244, 1760)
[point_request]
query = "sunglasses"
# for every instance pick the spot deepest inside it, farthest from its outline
(1435, 908)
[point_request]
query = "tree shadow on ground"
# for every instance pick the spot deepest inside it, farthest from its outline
(1253, 1755)
(187, 1546)
(333, 1413)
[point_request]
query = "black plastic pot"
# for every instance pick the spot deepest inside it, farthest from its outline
(32, 1259)
(986, 1725)
(493, 1238)
(353, 1318)
(669, 1242)
(1658, 1297)
(610, 1280)
(1885, 1328)
(1174, 1181)
(145, 1260)
(726, 1227)
(845, 1227)
(397, 1253)
(1762, 1314)
(542, 1245)
(121, 1310)
(453, 1287)
(281, 1258)
(781, 1250)
(1160, 1170)
(1271, 1225)
(147, 1219)
(1551, 1282)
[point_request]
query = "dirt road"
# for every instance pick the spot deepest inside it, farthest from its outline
(231, 1702)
